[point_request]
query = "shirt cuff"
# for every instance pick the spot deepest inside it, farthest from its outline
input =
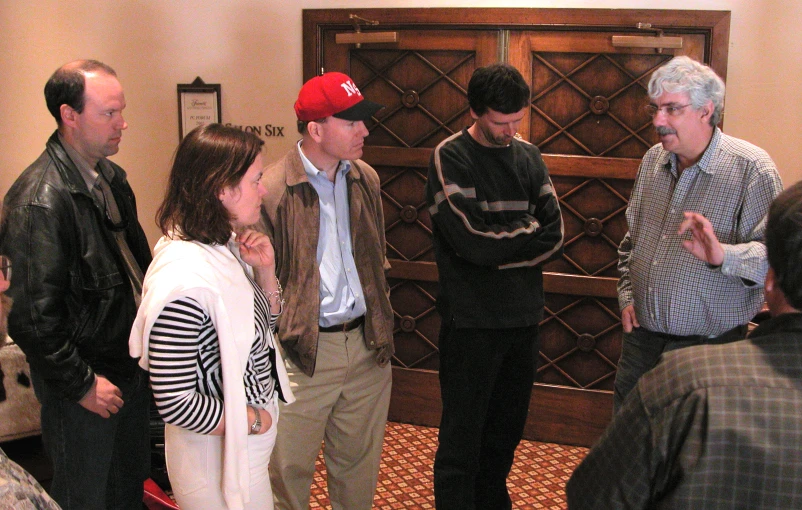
(731, 264)
(624, 300)
(732, 267)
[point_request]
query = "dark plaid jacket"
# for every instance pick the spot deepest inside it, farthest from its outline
(712, 427)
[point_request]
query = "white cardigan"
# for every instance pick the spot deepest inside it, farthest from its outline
(214, 276)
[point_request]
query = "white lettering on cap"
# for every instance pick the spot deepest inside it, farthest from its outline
(350, 88)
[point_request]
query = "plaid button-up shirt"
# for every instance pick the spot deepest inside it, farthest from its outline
(711, 427)
(732, 185)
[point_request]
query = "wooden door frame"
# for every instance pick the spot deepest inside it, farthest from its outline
(556, 413)
(716, 24)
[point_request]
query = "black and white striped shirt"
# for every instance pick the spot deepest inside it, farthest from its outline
(185, 371)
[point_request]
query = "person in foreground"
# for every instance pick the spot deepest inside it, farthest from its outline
(18, 488)
(79, 253)
(323, 212)
(674, 291)
(715, 426)
(496, 220)
(205, 326)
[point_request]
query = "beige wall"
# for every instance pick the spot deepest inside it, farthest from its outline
(253, 49)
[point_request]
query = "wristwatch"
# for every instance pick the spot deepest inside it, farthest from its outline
(257, 424)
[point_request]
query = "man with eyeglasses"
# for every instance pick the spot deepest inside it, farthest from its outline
(715, 426)
(70, 228)
(677, 287)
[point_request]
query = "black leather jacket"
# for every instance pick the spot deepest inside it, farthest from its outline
(73, 304)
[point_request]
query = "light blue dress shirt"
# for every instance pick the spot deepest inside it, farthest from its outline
(341, 296)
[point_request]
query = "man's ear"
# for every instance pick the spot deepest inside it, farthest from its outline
(315, 131)
(707, 111)
(771, 280)
(774, 295)
(68, 115)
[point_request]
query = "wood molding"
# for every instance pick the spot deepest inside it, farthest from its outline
(596, 167)
(557, 414)
(575, 285)
(578, 285)
(411, 270)
(400, 156)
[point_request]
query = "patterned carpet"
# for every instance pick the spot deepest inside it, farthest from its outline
(405, 481)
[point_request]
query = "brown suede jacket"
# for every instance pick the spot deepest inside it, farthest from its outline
(291, 217)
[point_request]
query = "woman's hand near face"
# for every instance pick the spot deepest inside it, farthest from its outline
(256, 249)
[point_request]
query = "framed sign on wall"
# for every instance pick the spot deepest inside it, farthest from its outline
(198, 104)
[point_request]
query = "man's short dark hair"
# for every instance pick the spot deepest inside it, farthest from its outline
(68, 84)
(499, 87)
(784, 242)
(303, 125)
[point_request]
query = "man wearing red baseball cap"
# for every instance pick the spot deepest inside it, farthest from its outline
(323, 214)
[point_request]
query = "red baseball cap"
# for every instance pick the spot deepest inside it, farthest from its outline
(333, 95)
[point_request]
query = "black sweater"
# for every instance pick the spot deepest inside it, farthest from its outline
(495, 219)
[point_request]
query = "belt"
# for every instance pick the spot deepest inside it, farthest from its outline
(345, 326)
(731, 335)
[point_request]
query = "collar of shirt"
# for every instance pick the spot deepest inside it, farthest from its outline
(89, 174)
(341, 297)
(314, 174)
(704, 162)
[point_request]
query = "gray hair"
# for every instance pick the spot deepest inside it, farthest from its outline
(683, 74)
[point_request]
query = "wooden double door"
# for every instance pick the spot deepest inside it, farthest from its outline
(586, 114)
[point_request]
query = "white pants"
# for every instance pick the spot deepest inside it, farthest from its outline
(195, 467)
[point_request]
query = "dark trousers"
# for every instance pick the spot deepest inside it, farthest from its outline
(98, 463)
(641, 350)
(486, 378)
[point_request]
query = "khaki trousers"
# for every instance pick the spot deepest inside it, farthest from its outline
(344, 406)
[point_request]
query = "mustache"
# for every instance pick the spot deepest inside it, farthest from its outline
(665, 130)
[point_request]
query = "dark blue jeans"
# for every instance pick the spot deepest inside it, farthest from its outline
(486, 378)
(98, 463)
(641, 350)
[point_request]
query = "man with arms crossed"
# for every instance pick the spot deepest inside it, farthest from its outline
(677, 289)
(71, 230)
(323, 213)
(495, 219)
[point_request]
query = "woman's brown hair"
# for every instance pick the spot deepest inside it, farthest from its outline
(209, 159)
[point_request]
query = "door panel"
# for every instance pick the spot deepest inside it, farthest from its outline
(586, 114)
(422, 81)
(587, 111)
(587, 95)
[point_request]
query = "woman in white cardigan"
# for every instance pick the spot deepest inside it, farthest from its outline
(205, 326)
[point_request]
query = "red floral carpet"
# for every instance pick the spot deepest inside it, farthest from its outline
(537, 479)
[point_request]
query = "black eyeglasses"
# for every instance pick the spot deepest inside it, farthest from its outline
(670, 110)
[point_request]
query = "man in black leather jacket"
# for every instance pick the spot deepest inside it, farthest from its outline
(70, 228)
